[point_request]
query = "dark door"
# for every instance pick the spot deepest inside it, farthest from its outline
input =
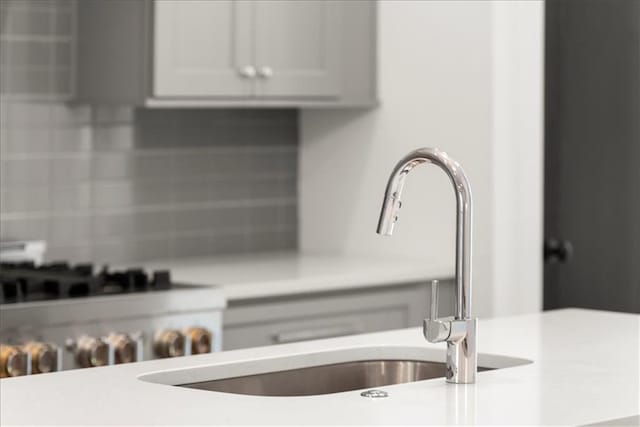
(592, 155)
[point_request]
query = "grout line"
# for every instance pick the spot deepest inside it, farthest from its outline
(38, 38)
(142, 153)
(278, 178)
(28, 67)
(229, 231)
(189, 206)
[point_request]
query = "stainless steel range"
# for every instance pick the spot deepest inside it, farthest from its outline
(59, 316)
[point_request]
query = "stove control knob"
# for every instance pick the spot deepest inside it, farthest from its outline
(201, 340)
(44, 357)
(125, 347)
(91, 351)
(13, 361)
(170, 343)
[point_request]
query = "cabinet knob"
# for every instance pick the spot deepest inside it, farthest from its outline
(247, 71)
(265, 72)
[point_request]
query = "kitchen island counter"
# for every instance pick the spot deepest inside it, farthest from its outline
(584, 370)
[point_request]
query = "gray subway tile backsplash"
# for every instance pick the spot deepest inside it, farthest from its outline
(61, 116)
(118, 184)
(183, 196)
(30, 53)
(71, 139)
(14, 201)
(193, 245)
(69, 170)
(27, 227)
(75, 197)
(24, 172)
(114, 137)
(28, 21)
(24, 140)
(70, 230)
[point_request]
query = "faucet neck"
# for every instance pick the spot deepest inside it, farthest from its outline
(462, 190)
(463, 245)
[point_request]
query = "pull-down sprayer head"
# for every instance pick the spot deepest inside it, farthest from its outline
(389, 214)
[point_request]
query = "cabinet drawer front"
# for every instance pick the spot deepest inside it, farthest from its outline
(303, 317)
(310, 328)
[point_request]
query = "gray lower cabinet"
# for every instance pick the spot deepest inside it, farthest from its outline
(227, 52)
(304, 317)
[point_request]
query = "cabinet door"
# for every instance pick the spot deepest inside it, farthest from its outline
(201, 48)
(297, 48)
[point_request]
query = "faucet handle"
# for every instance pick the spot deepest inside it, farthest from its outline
(435, 330)
(433, 315)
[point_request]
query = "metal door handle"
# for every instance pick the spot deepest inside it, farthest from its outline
(314, 334)
(556, 250)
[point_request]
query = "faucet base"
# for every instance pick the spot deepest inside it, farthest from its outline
(462, 359)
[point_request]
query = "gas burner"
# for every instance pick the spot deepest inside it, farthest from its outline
(63, 321)
(26, 282)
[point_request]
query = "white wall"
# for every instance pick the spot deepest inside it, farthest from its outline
(438, 87)
(518, 53)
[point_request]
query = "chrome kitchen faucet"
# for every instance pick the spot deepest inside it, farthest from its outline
(460, 331)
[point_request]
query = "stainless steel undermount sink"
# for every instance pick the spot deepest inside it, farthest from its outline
(318, 373)
(326, 379)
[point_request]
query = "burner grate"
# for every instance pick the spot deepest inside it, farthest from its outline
(25, 282)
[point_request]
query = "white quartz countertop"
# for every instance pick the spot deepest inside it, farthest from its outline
(584, 370)
(286, 273)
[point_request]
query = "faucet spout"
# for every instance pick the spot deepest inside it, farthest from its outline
(392, 203)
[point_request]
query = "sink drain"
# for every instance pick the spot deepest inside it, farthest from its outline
(374, 394)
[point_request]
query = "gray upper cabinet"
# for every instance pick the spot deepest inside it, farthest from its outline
(297, 48)
(191, 53)
(200, 48)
